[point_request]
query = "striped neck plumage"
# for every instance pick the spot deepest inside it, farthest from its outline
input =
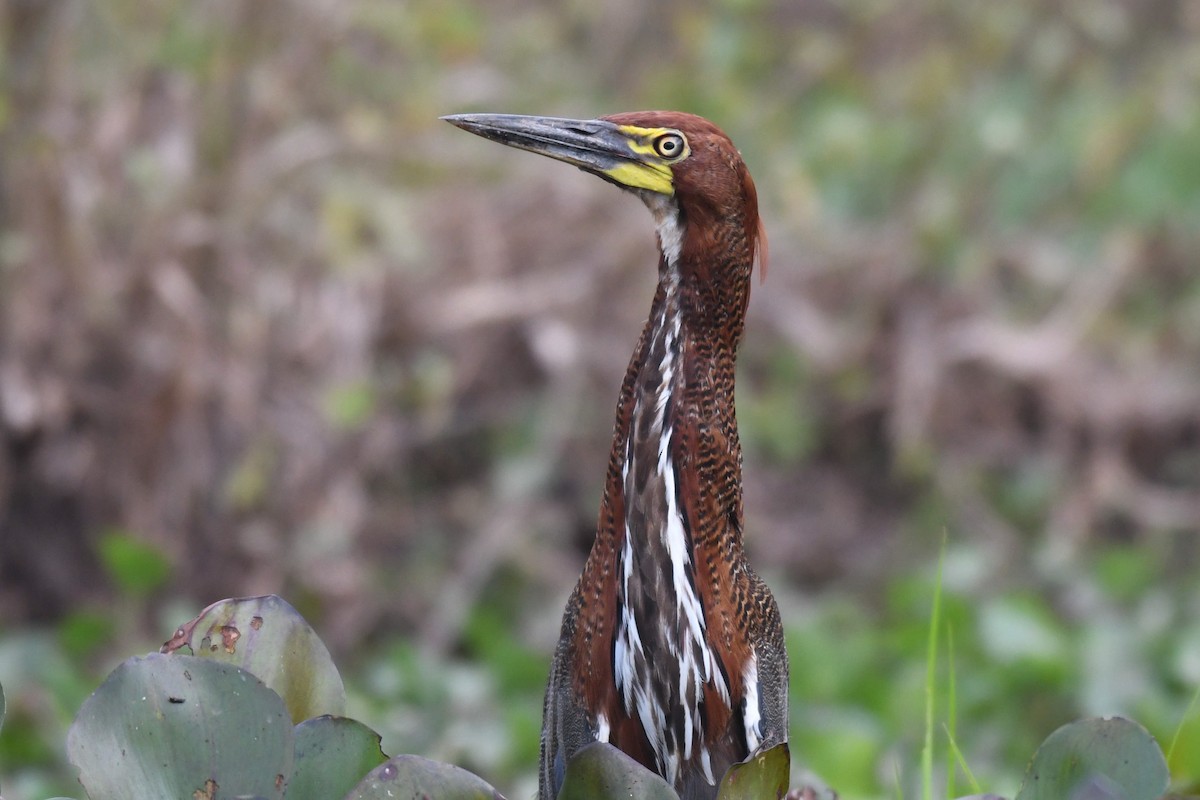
(662, 658)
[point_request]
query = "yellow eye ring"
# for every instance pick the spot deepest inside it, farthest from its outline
(670, 145)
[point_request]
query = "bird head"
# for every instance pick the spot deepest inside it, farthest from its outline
(684, 167)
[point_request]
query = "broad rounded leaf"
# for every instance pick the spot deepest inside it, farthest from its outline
(180, 726)
(268, 637)
(763, 775)
(413, 776)
(602, 771)
(332, 756)
(1092, 756)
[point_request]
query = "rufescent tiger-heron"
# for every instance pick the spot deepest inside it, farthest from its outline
(671, 646)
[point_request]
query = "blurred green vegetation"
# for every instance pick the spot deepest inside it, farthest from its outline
(266, 325)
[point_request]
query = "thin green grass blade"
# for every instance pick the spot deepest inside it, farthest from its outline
(935, 621)
(962, 764)
(1187, 714)
(951, 725)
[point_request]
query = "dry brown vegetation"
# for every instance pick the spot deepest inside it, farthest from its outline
(260, 308)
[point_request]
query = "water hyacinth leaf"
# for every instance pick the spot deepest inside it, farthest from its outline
(332, 756)
(180, 726)
(413, 776)
(1096, 755)
(601, 770)
(764, 775)
(268, 637)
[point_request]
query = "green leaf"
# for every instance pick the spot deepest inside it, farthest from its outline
(332, 756)
(413, 776)
(82, 633)
(181, 727)
(250, 481)
(137, 568)
(763, 775)
(1097, 754)
(348, 406)
(269, 638)
(601, 770)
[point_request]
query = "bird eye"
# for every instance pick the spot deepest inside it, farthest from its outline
(669, 145)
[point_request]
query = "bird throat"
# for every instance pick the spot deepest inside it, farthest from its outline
(663, 664)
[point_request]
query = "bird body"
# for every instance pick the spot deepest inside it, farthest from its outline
(671, 647)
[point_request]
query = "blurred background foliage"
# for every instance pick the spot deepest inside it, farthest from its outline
(267, 325)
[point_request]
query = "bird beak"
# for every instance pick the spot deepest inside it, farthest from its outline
(597, 146)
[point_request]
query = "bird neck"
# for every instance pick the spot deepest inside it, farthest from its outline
(676, 455)
(667, 564)
(676, 434)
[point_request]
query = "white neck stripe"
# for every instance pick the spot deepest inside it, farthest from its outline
(670, 225)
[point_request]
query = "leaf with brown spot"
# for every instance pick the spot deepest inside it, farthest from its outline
(269, 638)
(208, 792)
(229, 636)
(131, 742)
